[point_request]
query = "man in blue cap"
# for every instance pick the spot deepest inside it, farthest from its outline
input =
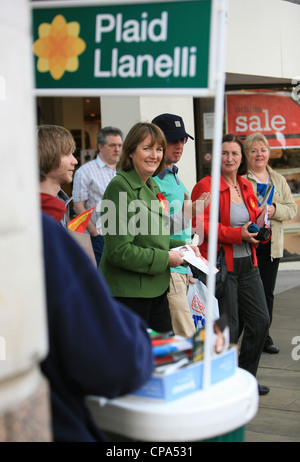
(174, 191)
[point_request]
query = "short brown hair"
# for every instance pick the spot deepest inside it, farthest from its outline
(53, 142)
(135, 136)
(231, 138)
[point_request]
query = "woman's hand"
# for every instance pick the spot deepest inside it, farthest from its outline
(175, 258)
(205, 197)
(271, 211)
(190, 209)
(249, 237)
(195, 248)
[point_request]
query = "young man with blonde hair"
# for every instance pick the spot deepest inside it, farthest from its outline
(57, 163)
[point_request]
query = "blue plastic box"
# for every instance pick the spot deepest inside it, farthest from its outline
(174, 385)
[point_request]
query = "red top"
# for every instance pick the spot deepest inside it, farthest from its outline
(53, 206)
(227, 236)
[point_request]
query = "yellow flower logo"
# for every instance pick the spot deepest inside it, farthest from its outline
(58, 47)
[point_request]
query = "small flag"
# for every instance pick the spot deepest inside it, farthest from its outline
(265, 194)
(79, 223)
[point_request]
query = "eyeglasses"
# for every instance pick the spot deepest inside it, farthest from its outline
(182, 140)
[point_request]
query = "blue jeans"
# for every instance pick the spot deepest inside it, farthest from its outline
(246, 308)
(97, 244)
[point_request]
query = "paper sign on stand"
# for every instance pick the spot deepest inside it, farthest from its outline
(190, 257)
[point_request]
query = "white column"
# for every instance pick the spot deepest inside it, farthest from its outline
(23, 339)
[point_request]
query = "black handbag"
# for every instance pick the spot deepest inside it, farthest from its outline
(221, 275)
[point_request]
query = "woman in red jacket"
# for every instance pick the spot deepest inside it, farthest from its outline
(244, 296)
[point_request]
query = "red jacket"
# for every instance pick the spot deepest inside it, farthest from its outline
(227, 236)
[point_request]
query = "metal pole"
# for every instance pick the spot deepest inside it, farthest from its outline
(219, 10)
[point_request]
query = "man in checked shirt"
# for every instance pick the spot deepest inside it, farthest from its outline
(91, 180)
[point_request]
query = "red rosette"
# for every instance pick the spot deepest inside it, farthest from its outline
(163, 201)
(252, 201)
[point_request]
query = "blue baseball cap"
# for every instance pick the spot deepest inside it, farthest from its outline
(172, 125)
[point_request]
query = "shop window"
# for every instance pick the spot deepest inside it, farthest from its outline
(204, 123)
(275, 114)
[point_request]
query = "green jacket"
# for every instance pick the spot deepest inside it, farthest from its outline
(286, 208)
(136, 235)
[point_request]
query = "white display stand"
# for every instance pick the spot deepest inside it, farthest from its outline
(215, 411)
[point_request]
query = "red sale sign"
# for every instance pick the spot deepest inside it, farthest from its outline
(276, 116)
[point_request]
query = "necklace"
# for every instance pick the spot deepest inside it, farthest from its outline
(236, 188)
(262, 178)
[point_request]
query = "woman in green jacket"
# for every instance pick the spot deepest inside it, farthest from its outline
(136, 260)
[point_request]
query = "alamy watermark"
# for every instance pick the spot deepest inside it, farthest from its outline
(2, 88)
(2, 349)
(296, 349)
(138, 217)
(296, 89)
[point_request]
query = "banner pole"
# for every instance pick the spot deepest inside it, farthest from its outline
(220, 10)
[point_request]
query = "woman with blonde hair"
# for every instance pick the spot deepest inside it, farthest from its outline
(280, 208)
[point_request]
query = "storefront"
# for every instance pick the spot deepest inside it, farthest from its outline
(274, 112)
(261, 96)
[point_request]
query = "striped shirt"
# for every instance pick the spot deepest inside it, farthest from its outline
(90, 182)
